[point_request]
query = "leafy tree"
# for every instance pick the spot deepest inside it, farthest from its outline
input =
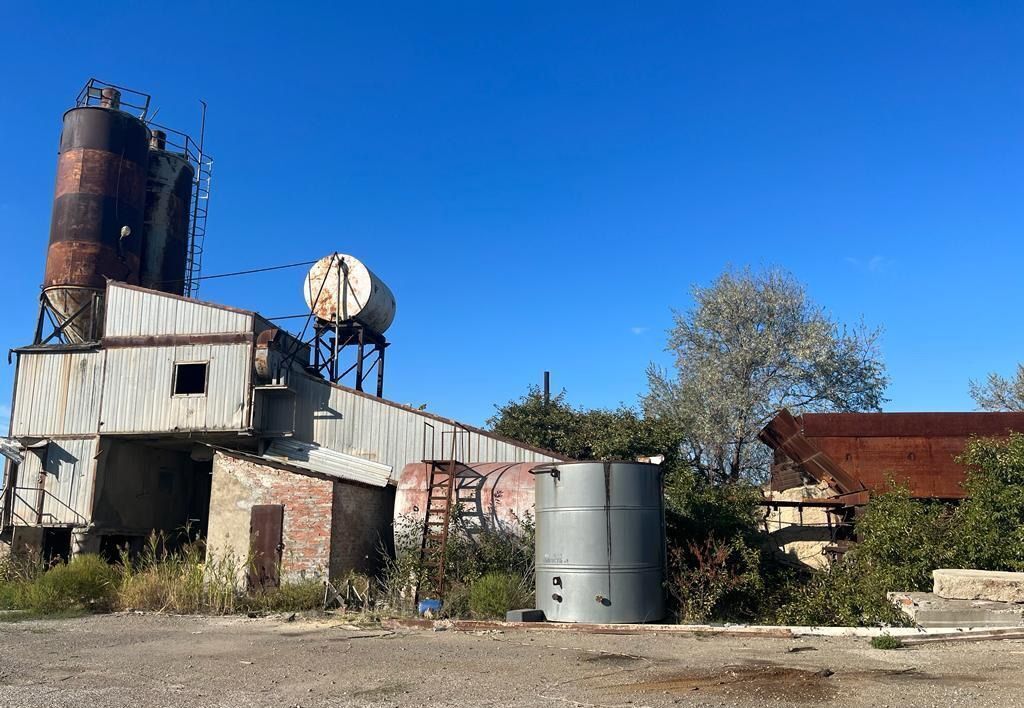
(753, 344)
(997, 393)
(596, 434)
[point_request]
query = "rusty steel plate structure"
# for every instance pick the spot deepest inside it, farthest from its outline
(165, 246)
(99, 200)
(854, 452)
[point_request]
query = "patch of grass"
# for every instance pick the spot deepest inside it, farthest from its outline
(298, 596)
(27, 615)
(886, 641)
(494, 594)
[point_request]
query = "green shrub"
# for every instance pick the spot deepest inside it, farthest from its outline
(472, 553)
(87, 582)
(990, 522)
(886, 641)
(703, 576)
(13, 594)
(844, 595)
(901, 540)
(494, 594)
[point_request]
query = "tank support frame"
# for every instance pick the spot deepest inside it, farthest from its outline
(335, 344)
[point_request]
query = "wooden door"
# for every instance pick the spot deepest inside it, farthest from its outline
(266, 525)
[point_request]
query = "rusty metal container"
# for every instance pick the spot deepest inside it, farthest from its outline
(165, 231)
(96, 229)
(493, 495)
(600, 554)
(341, 287)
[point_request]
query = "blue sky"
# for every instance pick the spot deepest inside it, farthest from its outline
(540, 183)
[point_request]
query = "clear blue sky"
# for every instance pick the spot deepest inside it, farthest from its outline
(540, 183)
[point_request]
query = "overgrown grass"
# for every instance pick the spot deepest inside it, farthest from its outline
(186, 581)
(494, 594)
(886, 641)
(297, 596)
(488, 570)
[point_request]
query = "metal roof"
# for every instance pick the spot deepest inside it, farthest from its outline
(328, 462)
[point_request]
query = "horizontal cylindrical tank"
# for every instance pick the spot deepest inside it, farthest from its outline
(341, 287)
(165, 231)
(493, 495)
(600, 542)
(96, 228)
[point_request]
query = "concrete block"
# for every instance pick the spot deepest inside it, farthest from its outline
(926, 609)
(958, 584)
(524, 616)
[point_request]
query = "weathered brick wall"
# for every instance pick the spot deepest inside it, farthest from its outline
(361, 526)
(239, 484)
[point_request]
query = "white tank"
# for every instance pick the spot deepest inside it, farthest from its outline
(340, 286)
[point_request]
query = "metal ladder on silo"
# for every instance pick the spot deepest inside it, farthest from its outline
(441, 492)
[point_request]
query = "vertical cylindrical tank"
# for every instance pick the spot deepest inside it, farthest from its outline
(165, 231)
(600, 542)
(96, 227)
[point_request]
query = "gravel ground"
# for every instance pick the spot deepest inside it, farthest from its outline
(153, 660)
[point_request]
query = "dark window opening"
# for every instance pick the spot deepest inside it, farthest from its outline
(189, 379)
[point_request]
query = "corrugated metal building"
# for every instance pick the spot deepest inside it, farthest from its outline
(118, 431)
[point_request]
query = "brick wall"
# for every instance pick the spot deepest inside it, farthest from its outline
(239, 484)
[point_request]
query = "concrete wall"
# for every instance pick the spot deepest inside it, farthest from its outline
(239, 484)
(804, 534)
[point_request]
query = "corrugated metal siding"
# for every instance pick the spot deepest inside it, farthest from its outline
(366, 427)
(58, 393)
(137, 389)
(332, 463)
(70, 466)
(132, 312)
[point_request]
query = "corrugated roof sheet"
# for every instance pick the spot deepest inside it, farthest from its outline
(328, 462)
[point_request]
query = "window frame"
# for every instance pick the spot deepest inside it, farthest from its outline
(206, 378)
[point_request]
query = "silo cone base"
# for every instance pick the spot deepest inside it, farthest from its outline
(524, 616)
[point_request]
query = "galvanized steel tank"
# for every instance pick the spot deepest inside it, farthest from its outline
(340, 286)
(600, 542)
(168, 199)
(96, 228)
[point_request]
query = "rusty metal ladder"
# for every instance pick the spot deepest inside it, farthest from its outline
(441, 493)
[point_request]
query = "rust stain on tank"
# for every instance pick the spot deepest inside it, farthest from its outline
(97, 172)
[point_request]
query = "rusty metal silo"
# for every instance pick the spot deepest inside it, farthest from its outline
(97, 225)
(165, 240)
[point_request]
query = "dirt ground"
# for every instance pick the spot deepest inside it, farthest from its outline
(153, 660)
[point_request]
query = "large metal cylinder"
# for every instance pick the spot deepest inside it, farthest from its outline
(341, 287)
(96, 228)
(600, 542)
(165, 231)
